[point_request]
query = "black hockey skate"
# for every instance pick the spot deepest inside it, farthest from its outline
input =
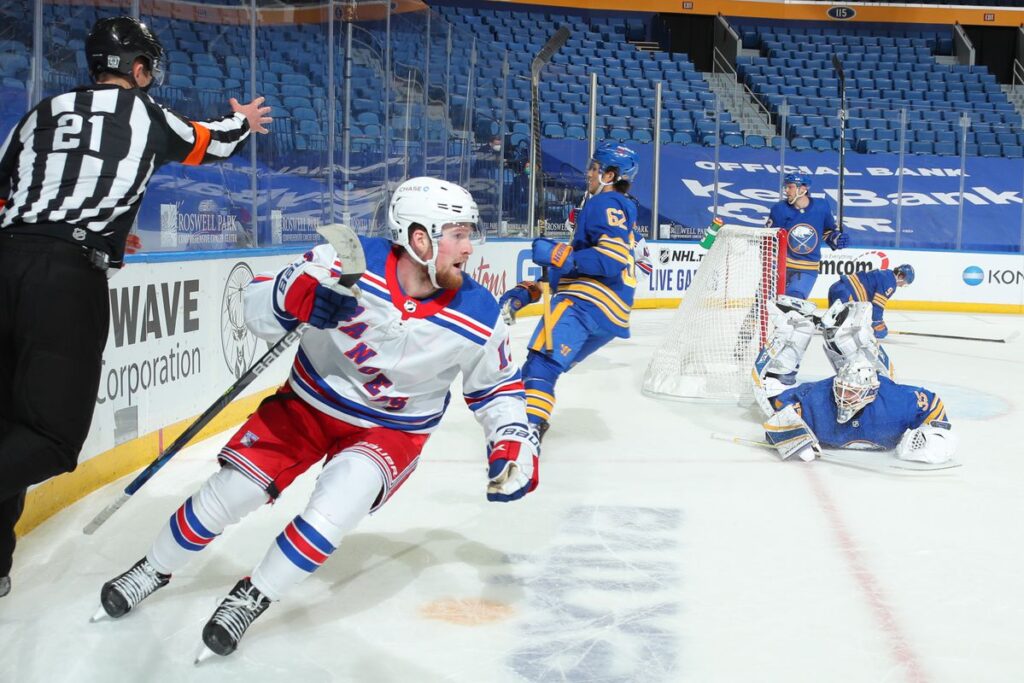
(5, 585)
(233, 617)
(542, 428)
(122, 593)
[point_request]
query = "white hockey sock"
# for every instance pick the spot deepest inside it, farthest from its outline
(224, 499)
(345, 490)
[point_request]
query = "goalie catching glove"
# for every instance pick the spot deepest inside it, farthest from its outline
(790, 435)
(310, 293)
(513, 463)
(932, 442)
(514, 299)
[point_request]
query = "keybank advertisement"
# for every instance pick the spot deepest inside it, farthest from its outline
(749, 185)
(177, 341)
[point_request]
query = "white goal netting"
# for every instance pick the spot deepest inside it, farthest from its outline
(722, 322)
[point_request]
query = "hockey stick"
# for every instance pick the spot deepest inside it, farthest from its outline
(540, 60)
(350, 253)
(545, 292)
(857, 462)
(1013, 335)
(838, 66)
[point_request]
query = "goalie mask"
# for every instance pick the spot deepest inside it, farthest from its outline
(434, 205)
(854, 387)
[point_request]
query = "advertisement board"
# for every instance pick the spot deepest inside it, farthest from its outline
(177, 340)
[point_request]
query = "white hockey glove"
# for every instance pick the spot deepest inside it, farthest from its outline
(933, 442)
(790, 435)
(513, 463)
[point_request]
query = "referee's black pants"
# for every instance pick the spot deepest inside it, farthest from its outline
(54, 317)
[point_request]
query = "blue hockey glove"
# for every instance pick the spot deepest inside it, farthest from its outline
(837, 240)
(551, 253)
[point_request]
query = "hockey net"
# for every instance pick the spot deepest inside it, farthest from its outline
(722, 322)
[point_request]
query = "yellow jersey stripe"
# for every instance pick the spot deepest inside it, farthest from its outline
(794, 264)
(540, 344)
(613, 255)
(584, 284)
(858, 288)
(534, 397)
(610, 305)
(614, 244)
(938, 412)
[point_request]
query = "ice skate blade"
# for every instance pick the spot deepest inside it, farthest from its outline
(204, 653)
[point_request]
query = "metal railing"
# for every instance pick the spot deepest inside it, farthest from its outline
(741, 98)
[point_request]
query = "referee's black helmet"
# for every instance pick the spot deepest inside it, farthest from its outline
(115, 43)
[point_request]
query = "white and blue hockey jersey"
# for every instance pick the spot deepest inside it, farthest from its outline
(392, 364)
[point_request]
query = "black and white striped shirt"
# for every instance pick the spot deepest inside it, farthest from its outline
(81, 162)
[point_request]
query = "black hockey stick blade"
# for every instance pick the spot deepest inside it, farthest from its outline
(838, 66)
(554, 44)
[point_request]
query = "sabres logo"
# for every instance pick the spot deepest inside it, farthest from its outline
(803, 239)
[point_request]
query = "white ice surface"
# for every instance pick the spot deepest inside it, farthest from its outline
(649, 553)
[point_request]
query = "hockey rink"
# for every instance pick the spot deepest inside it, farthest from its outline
(649, 553)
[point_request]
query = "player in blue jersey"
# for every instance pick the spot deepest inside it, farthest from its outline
(809, 222)
(875, 287)
(592, 279)
(858, 409)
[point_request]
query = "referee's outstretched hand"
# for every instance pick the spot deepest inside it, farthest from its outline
(255, 113)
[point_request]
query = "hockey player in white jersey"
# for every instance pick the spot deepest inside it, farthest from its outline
(366, 389)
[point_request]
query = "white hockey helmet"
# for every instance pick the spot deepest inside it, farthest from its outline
(853, 387)
(432, 204)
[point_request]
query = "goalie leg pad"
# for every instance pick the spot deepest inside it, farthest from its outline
(789, 342)
(345, 490)
(848, 336)
(224, 499)
(934, 442)
(790, 435)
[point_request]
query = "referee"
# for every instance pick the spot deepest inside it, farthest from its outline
(72, 175)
